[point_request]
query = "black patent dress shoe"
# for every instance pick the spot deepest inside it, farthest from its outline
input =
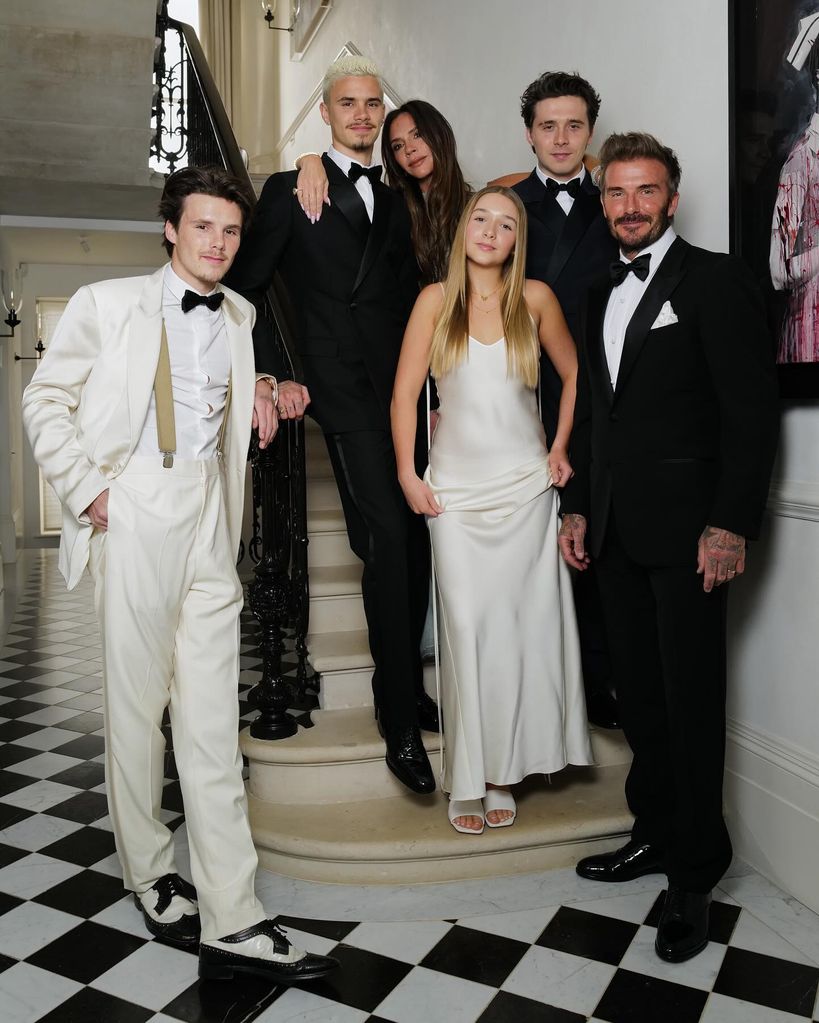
(682, 931)
(170, 911)
(406, 756)
(429, 716)
(261, 951)
(632, 860)
(601, 709)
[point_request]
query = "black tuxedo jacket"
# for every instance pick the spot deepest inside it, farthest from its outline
(688, 436)
(351, 285)
(569, 253)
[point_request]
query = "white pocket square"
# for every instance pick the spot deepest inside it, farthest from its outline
(665, 317)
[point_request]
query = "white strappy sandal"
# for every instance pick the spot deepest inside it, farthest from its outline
(466, 808)
(500, 799)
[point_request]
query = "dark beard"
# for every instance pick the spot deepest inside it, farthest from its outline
(653, 235)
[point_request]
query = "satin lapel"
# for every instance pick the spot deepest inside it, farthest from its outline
(345, 198)
(657, 293)
(242, 376)
(378, 232)
(584, 209)
(596, 349)
(144, 335)
(538, 205)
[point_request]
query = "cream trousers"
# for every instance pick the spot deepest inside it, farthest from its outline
(168, 600)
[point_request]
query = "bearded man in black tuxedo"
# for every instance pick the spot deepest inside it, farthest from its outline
(352, 280)
(569, 248)
(675, 434)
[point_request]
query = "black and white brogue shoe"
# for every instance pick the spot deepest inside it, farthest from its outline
(263, 951)
(170, 911)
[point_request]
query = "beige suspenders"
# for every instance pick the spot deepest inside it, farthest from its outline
(165, 419)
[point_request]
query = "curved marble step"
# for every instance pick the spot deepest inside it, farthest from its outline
(407, 839)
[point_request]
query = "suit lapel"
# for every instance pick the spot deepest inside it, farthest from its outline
(539, 205)
(345, 198)
(658, 292)
(584, 210)
(596, 349)
(144, 335)
(242, 378)
(378, 232)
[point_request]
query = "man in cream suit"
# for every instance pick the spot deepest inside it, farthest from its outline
(140, 416)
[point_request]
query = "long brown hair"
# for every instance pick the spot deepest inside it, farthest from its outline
(434, 219)
(450, 340)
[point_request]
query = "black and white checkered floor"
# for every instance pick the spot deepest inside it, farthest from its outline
(547, 948)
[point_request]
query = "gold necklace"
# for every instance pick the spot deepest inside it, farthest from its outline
(491, 309)
(483, 298)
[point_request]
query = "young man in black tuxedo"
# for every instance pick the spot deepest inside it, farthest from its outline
(352, 282)
(675, 434)
(569, 248)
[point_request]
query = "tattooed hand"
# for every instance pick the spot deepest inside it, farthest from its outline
(720, 557)
(572, 541)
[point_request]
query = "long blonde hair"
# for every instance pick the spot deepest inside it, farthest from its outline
(450, 340)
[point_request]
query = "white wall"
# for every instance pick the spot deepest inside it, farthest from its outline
(473, 58)
(662, 67)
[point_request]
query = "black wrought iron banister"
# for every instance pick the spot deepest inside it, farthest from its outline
(192, 129)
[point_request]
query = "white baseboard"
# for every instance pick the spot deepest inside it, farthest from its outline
(794, 499)
(772, 803)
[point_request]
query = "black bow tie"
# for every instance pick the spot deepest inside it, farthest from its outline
(356, 171)
(620, 270)
(571, 187)
(190, 300)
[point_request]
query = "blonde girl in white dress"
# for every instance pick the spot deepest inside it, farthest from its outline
(512, 690)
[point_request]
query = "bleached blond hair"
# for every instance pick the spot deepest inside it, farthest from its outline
(350, 66)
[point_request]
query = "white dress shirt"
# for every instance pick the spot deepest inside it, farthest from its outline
(624, 300)
(200, 369)
(565, 200)
(363, 185)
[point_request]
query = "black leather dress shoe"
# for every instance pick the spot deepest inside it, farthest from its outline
(170, 912)
(632, 860)
(406, 756)
(428, 713)
(601, 709)
(682, 931)
(262, 951)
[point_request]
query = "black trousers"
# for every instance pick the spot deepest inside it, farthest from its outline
(393, 543)
(591, 628)
(667, 645)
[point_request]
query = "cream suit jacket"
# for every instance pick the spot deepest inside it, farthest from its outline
(86, 404)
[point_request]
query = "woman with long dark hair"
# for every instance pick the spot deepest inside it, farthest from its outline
(421, 161)
(512, 691)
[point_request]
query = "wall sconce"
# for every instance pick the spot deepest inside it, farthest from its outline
(10, 285)
(269, 8)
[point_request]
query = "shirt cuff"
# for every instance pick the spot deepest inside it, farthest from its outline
(273, 383)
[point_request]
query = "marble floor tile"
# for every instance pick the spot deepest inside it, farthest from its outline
(425, 995)
(30, 927)
(28, 993)
(35, 874)
(562, 979)
(152, 976)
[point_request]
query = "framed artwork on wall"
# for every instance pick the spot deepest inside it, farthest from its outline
(774, 105)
